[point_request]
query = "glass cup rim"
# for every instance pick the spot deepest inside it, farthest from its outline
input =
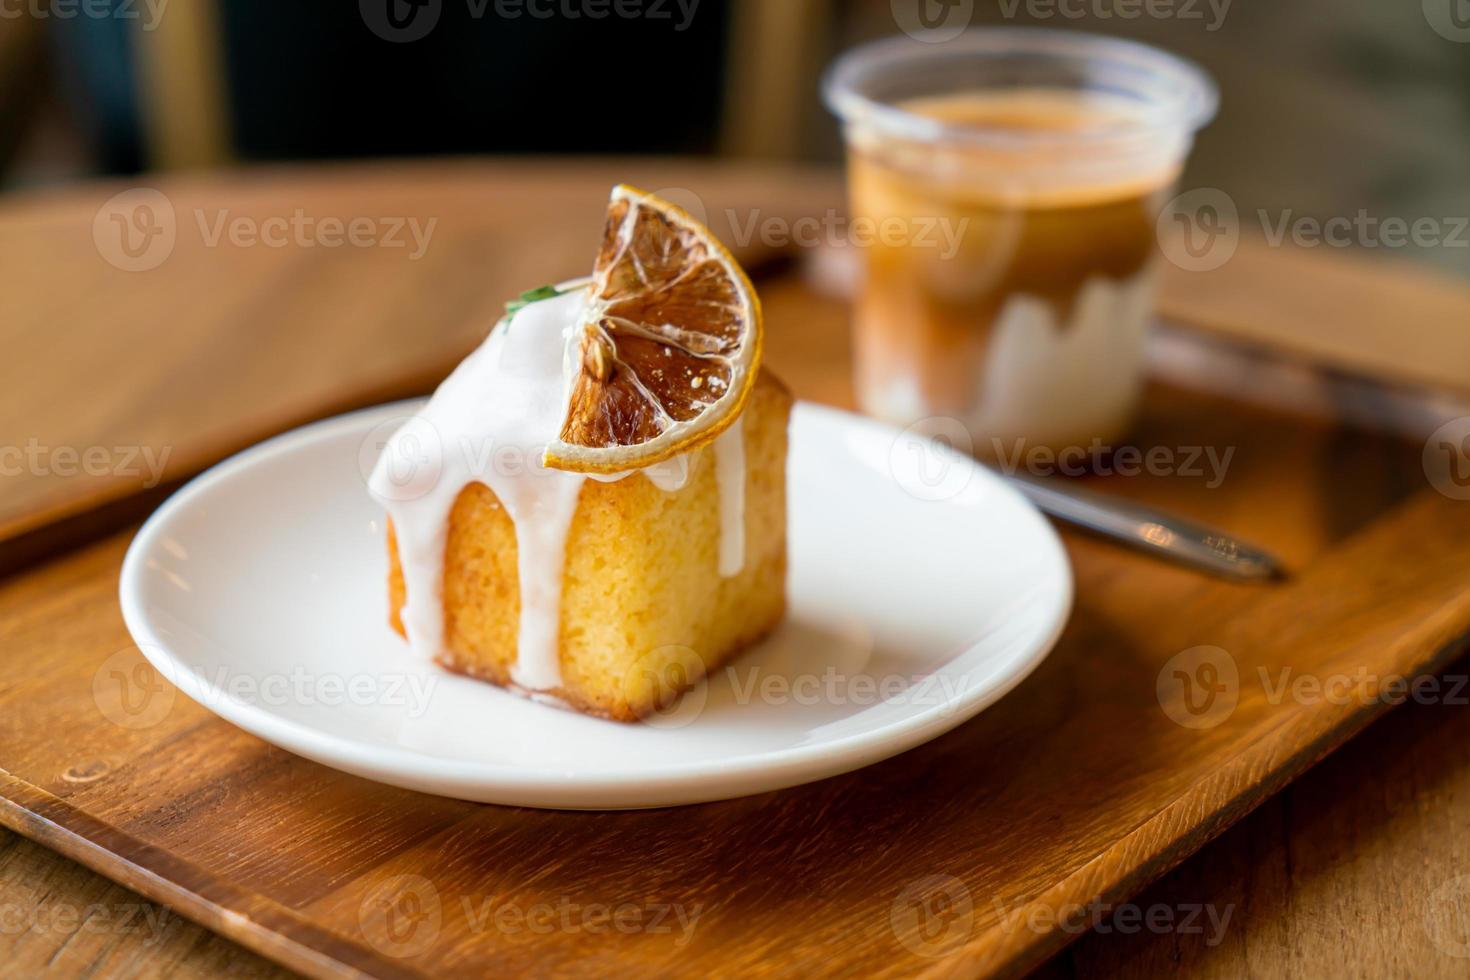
(1189, 111)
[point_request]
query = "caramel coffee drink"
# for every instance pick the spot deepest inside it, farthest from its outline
(1014, 284)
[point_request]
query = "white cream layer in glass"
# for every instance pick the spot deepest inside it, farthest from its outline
(1048, 381)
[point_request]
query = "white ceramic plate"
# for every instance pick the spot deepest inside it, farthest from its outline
(922, 589)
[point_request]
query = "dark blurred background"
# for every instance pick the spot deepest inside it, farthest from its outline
(1330, 106)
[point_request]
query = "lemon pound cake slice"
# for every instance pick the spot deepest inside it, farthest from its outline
(592, 508)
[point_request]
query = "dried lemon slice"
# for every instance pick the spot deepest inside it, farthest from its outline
(670, 342)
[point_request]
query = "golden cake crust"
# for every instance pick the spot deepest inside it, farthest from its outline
(645, 613)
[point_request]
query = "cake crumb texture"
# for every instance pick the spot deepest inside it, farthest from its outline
(645, 613)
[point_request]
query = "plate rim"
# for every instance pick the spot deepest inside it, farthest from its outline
(338, 751)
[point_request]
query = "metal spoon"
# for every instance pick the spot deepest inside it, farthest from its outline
(1150, 530)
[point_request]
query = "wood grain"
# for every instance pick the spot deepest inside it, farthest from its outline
(159, 372)
(1384, 853)
(1382, 318)
(59, 919)
(1357, 869)
(1078, 787)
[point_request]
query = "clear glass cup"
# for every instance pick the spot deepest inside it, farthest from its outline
(1004, 189)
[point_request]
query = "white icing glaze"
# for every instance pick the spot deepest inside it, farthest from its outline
(490, 422)
(730, 477)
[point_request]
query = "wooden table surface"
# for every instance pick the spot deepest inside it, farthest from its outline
(1362, 862)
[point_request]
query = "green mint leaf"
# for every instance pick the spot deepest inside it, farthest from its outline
(531, 296)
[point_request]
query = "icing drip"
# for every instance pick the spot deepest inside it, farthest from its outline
(730, 477)
(489, 422)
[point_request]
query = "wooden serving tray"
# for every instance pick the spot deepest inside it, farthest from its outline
(1100, 772)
